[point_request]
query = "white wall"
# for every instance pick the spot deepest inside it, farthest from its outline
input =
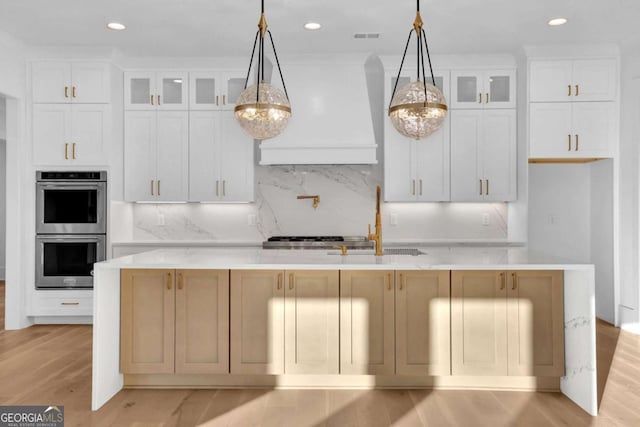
(560, 210)
(629, 295)
(3, 118)
(3, 184)
(12, 86)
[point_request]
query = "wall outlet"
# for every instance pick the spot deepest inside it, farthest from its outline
(160, 219)
(251, 220)
(393, 219)
(485, 219)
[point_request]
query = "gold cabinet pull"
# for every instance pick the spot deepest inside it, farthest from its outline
(73, 151)
(421, 187)
(152, 187)
(486, 97)
(577, 142)
(169, 281)
(66, 91)
(69, 303)
(66, 151)
(487, 193)
(180, 283)
(480, 187)
(158, 187)
(224, 187)
(569, 149)
(480, 98)
(577, 90)
(73, 92)
(514, 279)
(217, 188)
(291, 281)
(151, 99)
(569, 90)
(502, 281)
(413, 187)
(217, 100)
(389, 283)
(159, 100)
(224, 99)
(401, 280)
(279, 280)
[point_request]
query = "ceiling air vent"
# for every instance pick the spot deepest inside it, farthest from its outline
(366, 36)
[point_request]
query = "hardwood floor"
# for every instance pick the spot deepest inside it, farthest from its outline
(52, 365)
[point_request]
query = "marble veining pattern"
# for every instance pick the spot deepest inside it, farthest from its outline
(347, 205)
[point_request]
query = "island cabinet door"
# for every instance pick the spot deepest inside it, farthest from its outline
(536, 323)
(257, 322)
(202, 322)
(311, 322)
(147, 315)
(367, 322)
(478, 323)
(423, 310)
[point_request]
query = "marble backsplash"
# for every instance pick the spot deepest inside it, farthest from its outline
(347, 205)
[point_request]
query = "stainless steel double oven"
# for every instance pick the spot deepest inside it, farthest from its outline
(71, 227)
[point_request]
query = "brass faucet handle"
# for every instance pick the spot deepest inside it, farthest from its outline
(343, 249)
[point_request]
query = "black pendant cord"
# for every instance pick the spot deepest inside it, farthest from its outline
(275, 54)
(433, 79)
(253, 53)
(260, 54)
(421, 64)
(419, 51)
(404, 55)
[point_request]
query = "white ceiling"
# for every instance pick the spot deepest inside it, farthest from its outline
(226, 27)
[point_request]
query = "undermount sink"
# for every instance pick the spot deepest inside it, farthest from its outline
(389, 251)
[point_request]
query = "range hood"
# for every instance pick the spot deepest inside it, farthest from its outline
(331, 120)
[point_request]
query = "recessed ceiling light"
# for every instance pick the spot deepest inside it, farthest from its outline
(312, 26)
(116, 26)
(177, 80)
(557, 21)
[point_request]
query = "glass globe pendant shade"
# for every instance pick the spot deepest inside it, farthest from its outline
(417, 113)
(266, 118)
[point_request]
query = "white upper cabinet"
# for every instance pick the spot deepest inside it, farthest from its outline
(572, 130)
(415, 171)
(156, 156)
(70, 134)
(215, 90)
(573, 80)
(483, 156)
(221, 167)
(474, 89)
(56, 82)
(149, 90)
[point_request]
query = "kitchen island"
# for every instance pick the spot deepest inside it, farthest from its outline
(346, 350)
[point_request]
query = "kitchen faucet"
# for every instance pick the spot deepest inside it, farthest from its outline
(377, 236)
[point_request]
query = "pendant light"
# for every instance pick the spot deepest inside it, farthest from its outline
(418, 109)
(263, 110)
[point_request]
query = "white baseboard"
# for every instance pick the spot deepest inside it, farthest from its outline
(62, 320)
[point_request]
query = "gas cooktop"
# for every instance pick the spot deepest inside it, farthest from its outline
(317, 242)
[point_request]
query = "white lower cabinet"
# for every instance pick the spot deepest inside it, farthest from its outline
(284, 322)
(156, 146)
(70, 135)
(483, 155)
(422, 329)
(221, 167)
(367, 322)
(572, 130)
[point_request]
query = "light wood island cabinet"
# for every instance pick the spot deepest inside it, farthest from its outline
(367, 341)
(507, 323)
(171, 325)
(423, 335)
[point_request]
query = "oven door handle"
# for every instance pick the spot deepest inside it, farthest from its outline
(69, 187)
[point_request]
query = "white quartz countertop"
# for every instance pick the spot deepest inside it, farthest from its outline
(435, 258)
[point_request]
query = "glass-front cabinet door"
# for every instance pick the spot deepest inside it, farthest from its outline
(479, 89)
(171, 91)
(210, 90)
(139, 87)
(145, 90)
